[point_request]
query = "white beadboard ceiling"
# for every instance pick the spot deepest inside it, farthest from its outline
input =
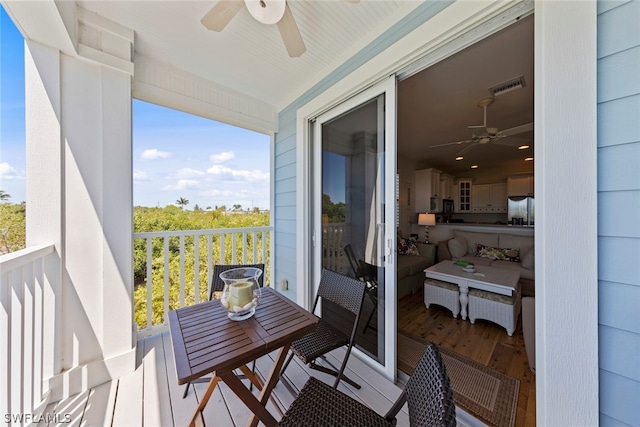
(248, 56)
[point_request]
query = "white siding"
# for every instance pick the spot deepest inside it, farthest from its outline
(618, 211)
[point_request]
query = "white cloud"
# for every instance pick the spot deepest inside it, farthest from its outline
(222, 157)
(182, 184)
(8, 172)
(186, 173)
(238, 174)
(154, 154)
(140, 176)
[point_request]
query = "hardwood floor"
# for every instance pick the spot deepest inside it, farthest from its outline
(484, 342)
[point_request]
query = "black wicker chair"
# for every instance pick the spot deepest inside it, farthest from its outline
(347, 293)
(215, 288)
(369, 274)
(428, 394)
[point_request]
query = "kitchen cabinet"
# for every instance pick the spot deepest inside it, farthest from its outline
(463, 196)
(520, 185)
(489, 198)
(427, 183)
(447, 186)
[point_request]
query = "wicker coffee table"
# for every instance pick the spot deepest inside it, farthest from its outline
(503, 309)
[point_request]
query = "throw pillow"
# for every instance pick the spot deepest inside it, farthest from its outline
(458, 246)
(408, 247)
(507, 254)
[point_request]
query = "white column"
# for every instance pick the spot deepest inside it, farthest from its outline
(566, 214)
(79, 195)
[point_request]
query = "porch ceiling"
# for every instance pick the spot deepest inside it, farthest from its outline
(247, 56)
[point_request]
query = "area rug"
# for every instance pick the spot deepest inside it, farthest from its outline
(486, 393)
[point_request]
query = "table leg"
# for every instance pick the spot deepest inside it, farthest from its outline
(258, 405)
(464, 300)
(197, 420)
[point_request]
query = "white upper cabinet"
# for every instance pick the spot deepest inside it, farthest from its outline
(489, 198)
(447, 187)
(427, 186)
(520, 185)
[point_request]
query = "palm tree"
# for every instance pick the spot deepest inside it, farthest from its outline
(182, 202)
(237, 207)
(4, 195)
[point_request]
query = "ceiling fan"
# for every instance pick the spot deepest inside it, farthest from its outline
(482, 134)
(264, 11)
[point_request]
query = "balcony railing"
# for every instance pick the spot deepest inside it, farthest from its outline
(29, 296)
(173, 268)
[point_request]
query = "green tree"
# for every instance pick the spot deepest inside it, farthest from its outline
(237, 207)
(182, 202)
(4, 196)
(336, 212)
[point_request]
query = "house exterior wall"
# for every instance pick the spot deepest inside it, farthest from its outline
(619, 210)
(566, 311)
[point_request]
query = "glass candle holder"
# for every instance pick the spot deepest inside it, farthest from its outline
(241, 293)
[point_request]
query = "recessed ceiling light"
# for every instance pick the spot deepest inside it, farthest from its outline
(528, 159)
(474, 166)
(523, 147)
(459, 158)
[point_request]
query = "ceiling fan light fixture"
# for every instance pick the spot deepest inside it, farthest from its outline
(484, 140)
(523, 147)
(266, 11)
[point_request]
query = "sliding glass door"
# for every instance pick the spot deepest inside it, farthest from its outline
(354, 205)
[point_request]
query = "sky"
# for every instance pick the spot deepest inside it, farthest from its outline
(175, 155)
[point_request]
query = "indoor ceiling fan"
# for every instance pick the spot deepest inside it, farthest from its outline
(482, 134)
(264, 11)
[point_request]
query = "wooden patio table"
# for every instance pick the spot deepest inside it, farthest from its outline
(205, 340)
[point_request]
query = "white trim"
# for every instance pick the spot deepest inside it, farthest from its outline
(565, 171)
(451, 25)
(89, 375)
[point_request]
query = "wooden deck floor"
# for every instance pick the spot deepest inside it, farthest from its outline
(151, 396)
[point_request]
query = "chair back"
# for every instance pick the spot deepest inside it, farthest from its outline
(344, 291)
(428, 392)
(217, 284)
(353, 261)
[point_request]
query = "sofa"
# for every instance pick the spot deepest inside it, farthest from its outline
(500, 250)
(413, 259)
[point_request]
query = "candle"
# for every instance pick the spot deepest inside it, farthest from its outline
(240, 294)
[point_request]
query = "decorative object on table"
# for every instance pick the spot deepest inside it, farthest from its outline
(469, 268)
(215, 292)
(241, 293)
(426, 219)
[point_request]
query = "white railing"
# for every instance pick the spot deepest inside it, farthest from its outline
(334, 239)
(29, 285)
(178, 266)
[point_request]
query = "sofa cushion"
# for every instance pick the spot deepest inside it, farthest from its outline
(524, 243)
(410, 265)
(458, 246)
(529, 260)
(514, 266)
(476, 260)
(487, 239)
(506, 254)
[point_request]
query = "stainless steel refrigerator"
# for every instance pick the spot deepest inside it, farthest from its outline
(521, 210)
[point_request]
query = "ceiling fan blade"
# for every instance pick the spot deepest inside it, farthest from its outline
(516, 130)
(221, 14)
(451, 143)
(467, 149)
(291, 34)
(510, 141)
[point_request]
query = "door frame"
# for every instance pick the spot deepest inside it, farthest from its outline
(387, 87)
(565, 65)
